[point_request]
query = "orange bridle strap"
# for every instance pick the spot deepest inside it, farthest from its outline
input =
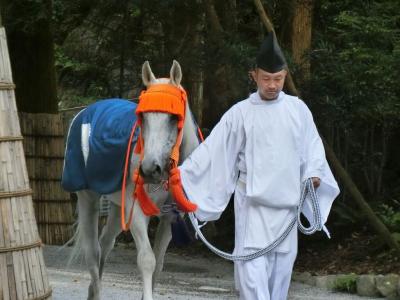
(175, 182)
(157, 98)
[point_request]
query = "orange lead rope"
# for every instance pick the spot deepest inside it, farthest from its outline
(175, 183)
(125, 226)
(147, 206)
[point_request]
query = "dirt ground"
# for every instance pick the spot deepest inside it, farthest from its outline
(186, 276)
(359, 253)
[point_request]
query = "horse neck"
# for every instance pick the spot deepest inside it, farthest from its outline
(189, 140)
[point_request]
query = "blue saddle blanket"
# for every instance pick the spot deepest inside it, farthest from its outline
(97, 162)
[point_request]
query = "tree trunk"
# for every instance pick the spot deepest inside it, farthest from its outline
(374, 221)
(263, 16)
(155, 37)
(289, 84)
(213, 17)
(32, 57)
(345, 178)
(223, 87)
(197, 72)
(301, 36)
(230, 16)
(122, 52)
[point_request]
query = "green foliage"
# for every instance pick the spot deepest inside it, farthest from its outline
(65, 63)
(354, 87)
(355, 59)
(32, 13)
(346, 283)
(345, 215)
(98, 49)
(390, 217)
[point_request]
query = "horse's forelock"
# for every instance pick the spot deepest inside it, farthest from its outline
(163, 80)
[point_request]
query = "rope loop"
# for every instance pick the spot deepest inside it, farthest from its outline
(316, 225)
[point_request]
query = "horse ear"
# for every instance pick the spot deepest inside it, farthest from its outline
(147, 75)
(176, 73)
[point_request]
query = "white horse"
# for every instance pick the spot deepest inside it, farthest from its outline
(159, 131)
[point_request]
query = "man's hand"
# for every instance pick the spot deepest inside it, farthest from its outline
(316, 182)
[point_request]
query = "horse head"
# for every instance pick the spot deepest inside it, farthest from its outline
(159, 129)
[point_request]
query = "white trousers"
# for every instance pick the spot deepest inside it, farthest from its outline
(265, 278)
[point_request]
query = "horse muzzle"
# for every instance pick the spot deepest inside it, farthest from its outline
(152, 171)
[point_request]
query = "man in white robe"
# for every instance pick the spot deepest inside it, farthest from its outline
(262, 149)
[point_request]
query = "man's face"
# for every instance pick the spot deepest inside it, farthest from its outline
(269, 84)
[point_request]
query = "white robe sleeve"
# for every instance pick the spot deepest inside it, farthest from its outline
(210, 173)
(314, 164)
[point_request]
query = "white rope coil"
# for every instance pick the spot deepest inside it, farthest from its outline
(315, 225)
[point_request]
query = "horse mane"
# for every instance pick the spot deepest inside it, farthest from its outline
(190, 139)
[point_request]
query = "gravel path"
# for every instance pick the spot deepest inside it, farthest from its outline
(184, 277)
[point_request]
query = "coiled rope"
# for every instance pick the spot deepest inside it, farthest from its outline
(315, 225)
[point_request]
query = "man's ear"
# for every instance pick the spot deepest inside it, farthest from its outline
(253, 75)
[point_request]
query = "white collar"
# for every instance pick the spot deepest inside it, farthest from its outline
(256, 99)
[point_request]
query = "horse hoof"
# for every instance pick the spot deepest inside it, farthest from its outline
(93, 294)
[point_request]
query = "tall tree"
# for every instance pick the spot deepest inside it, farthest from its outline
(301, 31)
(195, 60)
(227, 59)
(30, 38)
(346, 179)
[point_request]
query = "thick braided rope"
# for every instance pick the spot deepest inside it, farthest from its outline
(316, 224)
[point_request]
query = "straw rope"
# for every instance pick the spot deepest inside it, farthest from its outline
(55, 201)
(11, 138)
(55, 223)
(43, 135)
(6, 85)
(44, 156)
(16, 193)
(44, 296)
(20, 248)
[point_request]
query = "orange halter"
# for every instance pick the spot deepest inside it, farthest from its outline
(167, 99)
(163, 98)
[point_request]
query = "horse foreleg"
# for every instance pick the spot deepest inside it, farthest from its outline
(161, 242)
(145, 256)
(109, 233)
(88, 206)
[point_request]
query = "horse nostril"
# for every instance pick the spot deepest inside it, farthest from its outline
(157, 169)
(141, 173)
(150, 169)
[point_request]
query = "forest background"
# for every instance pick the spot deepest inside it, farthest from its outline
(344, 57)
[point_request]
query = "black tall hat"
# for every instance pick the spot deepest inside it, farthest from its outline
(270, 57)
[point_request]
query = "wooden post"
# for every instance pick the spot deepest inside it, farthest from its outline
(340, 171)
(22, 270)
